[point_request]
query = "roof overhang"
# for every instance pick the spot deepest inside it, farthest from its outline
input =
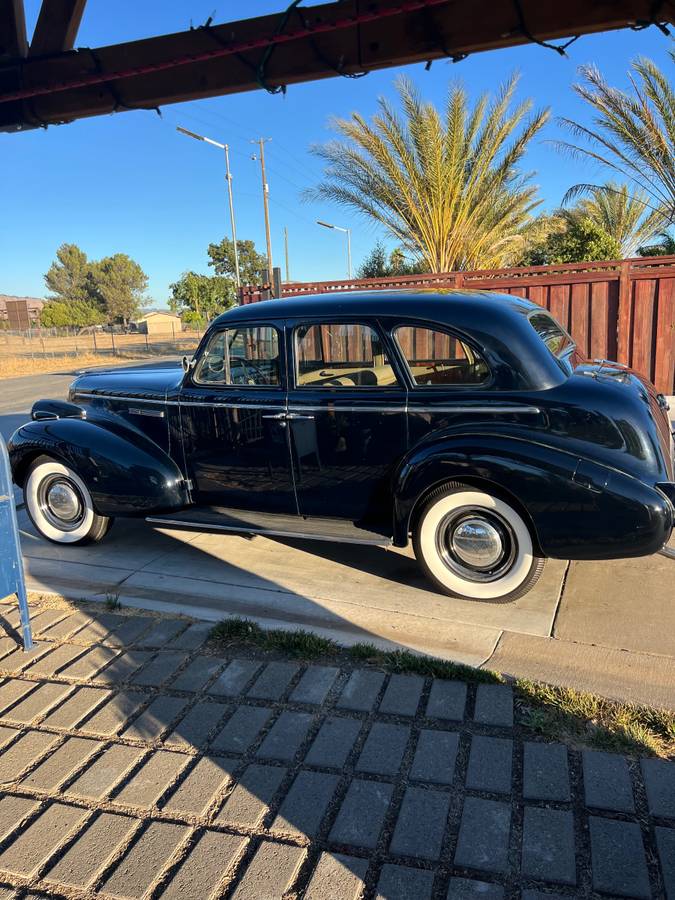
(48, 83)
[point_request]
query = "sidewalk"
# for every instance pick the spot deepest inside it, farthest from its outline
(135, 763)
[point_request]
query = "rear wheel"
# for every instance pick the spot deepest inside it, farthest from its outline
(60, 506)
(475, 546)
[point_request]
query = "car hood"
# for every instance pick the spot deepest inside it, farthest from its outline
(147, 382)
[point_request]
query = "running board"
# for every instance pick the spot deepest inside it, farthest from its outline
(273, 524)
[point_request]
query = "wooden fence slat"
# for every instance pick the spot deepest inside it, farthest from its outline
(599, 321)
(664, 369)
(580, 317)
(643, 332)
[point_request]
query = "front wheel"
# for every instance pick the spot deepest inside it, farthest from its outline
(60, 506)
(475, 546)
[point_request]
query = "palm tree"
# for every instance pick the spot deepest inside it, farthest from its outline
(623, 215)
(633, 133)
(447, 186)
(665, 246)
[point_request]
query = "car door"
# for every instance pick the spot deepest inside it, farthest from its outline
(449, 379)
(232, 409)
(346, 416)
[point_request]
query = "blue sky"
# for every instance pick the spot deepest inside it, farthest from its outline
(129, 183)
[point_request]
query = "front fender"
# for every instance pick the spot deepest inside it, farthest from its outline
(577, 508)
(126, 473)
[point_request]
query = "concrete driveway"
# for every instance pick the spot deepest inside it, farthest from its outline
(608, 627)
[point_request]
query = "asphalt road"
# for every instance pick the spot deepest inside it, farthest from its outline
(17, 395)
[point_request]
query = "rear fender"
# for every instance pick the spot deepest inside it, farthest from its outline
(126, 472)
(576, 508)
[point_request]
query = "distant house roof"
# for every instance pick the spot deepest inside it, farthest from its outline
(147, 313)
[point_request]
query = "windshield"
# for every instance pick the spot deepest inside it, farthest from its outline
(556, 338)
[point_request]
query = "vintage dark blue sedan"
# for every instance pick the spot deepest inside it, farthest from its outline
(463, 420)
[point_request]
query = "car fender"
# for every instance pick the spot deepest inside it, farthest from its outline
(125, 471)
(576, 508)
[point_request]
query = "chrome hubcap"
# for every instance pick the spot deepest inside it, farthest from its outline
(476, 544)
(61, 503)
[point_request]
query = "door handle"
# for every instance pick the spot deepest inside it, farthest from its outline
(298, 416)
(281, 415)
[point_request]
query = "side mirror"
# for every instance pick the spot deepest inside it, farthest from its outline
(188, 364)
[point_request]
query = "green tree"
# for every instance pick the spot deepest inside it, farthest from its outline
(446, 185)
(252, 265)
(375, 263)
(68, 277)
(378, 264)
(199, 298)
(119, 283)
(582, 240)
(75, 313)
(533, 248)
(632, 134)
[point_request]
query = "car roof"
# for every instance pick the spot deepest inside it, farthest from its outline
(459, 307)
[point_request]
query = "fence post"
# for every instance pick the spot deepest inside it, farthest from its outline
(112, 338)
(94, 335)
(623, 336)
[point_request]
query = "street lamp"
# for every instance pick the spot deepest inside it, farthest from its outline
(228, 178)
(348, 232)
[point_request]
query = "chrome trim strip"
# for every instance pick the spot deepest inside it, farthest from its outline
(331, 405)
(153, 413)
(237, 529)
(94, 396)
(410, 408)
(209, 405)
(206, 403)
(532, 410)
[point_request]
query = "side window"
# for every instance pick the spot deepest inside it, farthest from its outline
(241, 356)
(341, 356)
(436, 358)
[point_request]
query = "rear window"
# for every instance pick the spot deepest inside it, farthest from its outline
(556, 338)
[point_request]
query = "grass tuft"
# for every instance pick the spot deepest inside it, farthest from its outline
(302, 644)
(578, 717)
(560, 714)
(112, 602)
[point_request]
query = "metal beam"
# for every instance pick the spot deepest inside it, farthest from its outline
(317, 42)
(12, 29)
(56, 27)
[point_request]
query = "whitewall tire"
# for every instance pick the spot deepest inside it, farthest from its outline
(59, 504)
(474, 546)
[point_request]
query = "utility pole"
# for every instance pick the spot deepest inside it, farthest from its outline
(288, 275)
(228, 178)
(261, 143)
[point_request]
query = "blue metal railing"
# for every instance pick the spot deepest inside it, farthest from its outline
(12, 579)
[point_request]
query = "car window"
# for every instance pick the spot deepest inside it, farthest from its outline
(332, 355)
(241, 356)
(436, 358)
(556, 338)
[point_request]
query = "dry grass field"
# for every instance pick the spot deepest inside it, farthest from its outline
(32, 355)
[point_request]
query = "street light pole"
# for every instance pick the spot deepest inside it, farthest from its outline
(228, 178)
(348, 232)
(266, 190)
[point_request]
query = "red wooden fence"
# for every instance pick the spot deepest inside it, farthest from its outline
(620, 309)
